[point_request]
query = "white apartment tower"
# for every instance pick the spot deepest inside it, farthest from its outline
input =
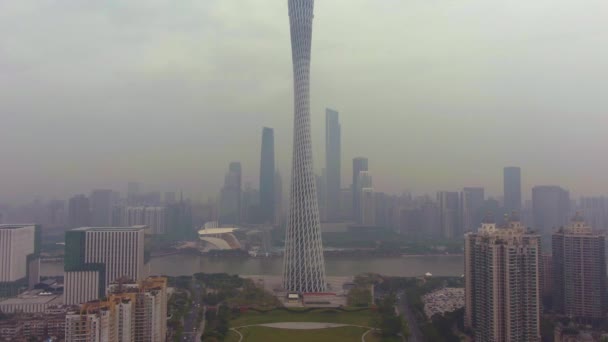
(19, 258)
(502, 283)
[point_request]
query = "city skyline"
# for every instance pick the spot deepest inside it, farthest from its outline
(520, 93)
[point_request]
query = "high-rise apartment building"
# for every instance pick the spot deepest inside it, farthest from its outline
(267, 170)
(368, 207)
(359, 164)
(333, 164)
(595, 210)
(101, 208)
(471, 204)
(579, 272)
(230, 201)
(132, 312)
(96, 257)
(304, 264)
(502, 283)
(79, 212)
(512, 189)
(449, 218)
(19, 258)
(550, 208)
(155, 218)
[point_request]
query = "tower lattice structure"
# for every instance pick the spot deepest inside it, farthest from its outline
(304, 265)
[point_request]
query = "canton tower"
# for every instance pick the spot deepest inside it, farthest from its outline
(304, 266)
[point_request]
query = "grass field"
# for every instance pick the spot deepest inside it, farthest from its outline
(362, 318)
(263, 334)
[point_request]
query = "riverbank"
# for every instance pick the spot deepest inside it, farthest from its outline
(401, 266)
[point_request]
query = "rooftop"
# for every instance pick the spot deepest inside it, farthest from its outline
(111, 229)
(16, 226)
(33, 297)
(215, 231)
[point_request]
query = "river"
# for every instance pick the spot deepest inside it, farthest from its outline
(405, 266)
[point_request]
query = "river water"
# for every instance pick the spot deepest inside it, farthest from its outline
(405, 266)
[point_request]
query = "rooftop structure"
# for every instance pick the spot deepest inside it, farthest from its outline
(32, 301)
(219, 238)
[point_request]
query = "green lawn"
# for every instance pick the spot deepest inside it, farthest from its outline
(362, 318)
(263, 334)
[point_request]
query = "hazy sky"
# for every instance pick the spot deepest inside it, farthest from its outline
(439, 94)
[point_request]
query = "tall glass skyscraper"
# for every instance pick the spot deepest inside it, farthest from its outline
(267, 193)
(304, 266)
(512, 189)
(332, 164)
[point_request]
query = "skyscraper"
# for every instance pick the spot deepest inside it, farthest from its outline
(502, 283)
(332, 164)
(579, 272)
(512, 189)
(101, 208)
(96, 257)
(79, 212)
(550, 208)
(304, 265)
(230, 198)
(448, 215)
(19, 258)
(471, 202)
(267, 193)
(368, 207)
(359, 164)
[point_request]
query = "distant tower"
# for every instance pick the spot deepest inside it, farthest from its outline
(230, 201)
(267, 193)
(304, 266)
(101, 208)
(550, 208)
(332, 164)
(359, 164)
(512, 189)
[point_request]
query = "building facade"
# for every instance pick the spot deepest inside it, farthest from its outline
(231, 195)
(96, 257)
(155, 218)
(101, 208)
(579, 272)
(19, 258)
(449, 218)
(333, 162)
(304, 264)
(79, 212)
(471, 204)
(359, 164)
(132, 312)
(512, 189)
(550, 208)
(267, 170)
(502, 283)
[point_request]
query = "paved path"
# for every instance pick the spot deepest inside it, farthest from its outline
(302, 326)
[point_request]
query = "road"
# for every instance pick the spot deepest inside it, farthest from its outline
(404, 309)
(192, 332)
